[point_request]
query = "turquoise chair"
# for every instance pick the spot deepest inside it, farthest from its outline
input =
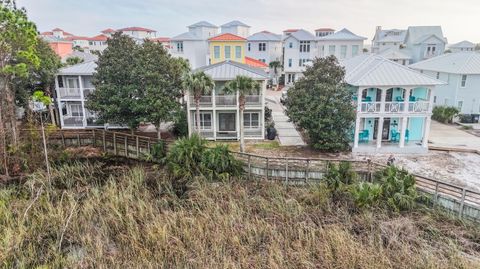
(399, 99)
(407, 135)
(394, 136)
(367, 99)
(363, 136)
(412, 99)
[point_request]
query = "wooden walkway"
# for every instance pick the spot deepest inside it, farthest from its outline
(461, 201)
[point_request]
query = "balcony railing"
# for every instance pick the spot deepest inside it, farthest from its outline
(69, 93)
(226, 100)
(395, 107)
(87, 91)
(72, 121)
(205, 100)
(253, 99)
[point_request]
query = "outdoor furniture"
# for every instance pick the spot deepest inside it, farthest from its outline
(394, 136)
(399, 99)
(363, 136)
(407, 135)
(367, 99)
(412, 99)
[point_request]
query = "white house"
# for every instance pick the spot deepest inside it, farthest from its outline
(219, 112)
(299, 48)
(415, 44)
(462, 46)
(393, 105)
(342, 44)
(324, 32)
(461, 71)
(138, 32)
(193, 45)
(237, 28)
(97, 43)
(265, 46)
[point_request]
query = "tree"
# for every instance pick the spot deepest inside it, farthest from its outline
(321, 104)
(244, 86)
(198, 84)
(275, 65)
(18, 39)
(74, 60)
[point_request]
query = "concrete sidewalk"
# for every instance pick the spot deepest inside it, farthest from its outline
(444, 135)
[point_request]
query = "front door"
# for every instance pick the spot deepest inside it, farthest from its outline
(385, 130)
(226, 122)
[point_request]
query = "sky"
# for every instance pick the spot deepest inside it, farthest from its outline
(459, 18)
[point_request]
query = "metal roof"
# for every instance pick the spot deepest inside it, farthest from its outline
(265, 36)
(86, 68)
(397, 54)
(456, 63)
(186, 36)
(203, 24)
(228, 70)
(301, 35)
(417, 34)
(234, 23)
(391, 35)
(343, 34)
(371, 70)
(85, 56)
(463, 44)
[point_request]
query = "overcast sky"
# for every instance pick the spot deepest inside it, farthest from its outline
(459, 19)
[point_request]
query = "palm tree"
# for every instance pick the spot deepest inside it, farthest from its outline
(275, 65)
(244, 86)
(198, 84)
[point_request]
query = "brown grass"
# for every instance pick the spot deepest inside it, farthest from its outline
(92, 215)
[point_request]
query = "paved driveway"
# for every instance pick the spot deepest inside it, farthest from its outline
(287, 134)
(451, 136)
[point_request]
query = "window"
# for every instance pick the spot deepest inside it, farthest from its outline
(262, 46)
(354, 50)
(304, 46)
(460, 105)
(238, 52)
(227, 52)
(72, 83)
(290, 45)
(343, 51)
(435, 99)
(289, 62)
(205, 121)
(445, 102)
(251, 120)
(301, 62)
(216, 52)
(76, 110)
(249, 46)
(180, 47)
(438, 75)
(464, 81)
(331, 50)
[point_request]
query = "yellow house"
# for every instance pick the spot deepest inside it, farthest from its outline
(227, 47)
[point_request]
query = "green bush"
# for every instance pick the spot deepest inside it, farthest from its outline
(444, 114)
(340, 175)
(180, 125)
(158, 150)
(398, 188)
(366, 194)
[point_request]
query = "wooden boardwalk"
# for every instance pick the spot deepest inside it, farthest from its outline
(456, 199)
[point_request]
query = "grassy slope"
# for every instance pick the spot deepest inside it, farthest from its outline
(101, 215)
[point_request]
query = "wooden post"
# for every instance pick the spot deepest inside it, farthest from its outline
(460, 212)
(267, 168)
(306, 170)
(137, 147)
(435, 198)
(126, 146)
(286, 170)
(104, 143)
(148, 145)
(79, 142)
(114, 144)
(63, 139)
(249, 167)
(94, 138)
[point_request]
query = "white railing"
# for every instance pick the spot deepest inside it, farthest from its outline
(419, 107)
(370, 107)
(226, 100)
(394, 107)
(70, 93)
(253, 99)
(72, 121)
(205, 100)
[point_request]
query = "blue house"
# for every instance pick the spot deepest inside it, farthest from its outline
(393, 105)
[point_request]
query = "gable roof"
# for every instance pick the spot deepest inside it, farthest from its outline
(290, 30)
(227, 37)
(463, 44)
(325, 30)
(160, 39)
(234, 23)
(72, 38)
(455, 63)
(391, 35)
(265, 36)
(99, 38)
(186, 36)
(343, 34)
(85, 56)
(107, 31)
(85, 68)
(228, 70)
(301, 35)
(203, 24)
(392, 53)
(375, 70)
(135, 28)
(417, 34)
(255, 63)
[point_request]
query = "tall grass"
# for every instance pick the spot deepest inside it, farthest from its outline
(90, 215)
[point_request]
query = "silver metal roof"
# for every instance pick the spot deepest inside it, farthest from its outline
(265, 36)
(393, 53)
(228, 70)
(301, 35)
(391, 35)
(203, 24)
(234, 23)
(456, 63)
(186, 36)
(417, 34)
(85, 56)
(463, 44)
(86, 68)
(371, 70)
(343, 34)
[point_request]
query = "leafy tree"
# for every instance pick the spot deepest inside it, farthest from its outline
(198, 84)
(321, 104)
(74, 60)
(244, 86)
(444, 114)
(275, 65)
(18, 39)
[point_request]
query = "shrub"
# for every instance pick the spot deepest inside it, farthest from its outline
(340, 175)
(444, 114)
(218, 163)
(158, 150)
(180, 125)
(268, 114)
(366, 194)
(398, 188)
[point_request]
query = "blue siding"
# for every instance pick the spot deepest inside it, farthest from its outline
(415, 127)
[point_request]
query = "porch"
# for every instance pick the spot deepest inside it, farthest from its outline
(394, 100)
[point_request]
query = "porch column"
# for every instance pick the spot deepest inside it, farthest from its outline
(382, 100)
(379, 132)
(403, 129)
(426, 131)
(82, 98)
(359, 100)
(189, 117)
(406, 99)
(357, 132)
(60, 113)
(214, 115)
(262, 117)
(238, 117)
(430, 99)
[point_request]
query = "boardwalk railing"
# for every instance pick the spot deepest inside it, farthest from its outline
(459, 200)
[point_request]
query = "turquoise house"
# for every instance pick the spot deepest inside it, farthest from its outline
(393, 105)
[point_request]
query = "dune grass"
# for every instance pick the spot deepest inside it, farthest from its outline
(97, 215)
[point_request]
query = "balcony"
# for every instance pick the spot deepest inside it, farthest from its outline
(419, 107)
(205, 101)
(253, 100)
(225, 100)
(87, 92)
(69, 93)
(72, 121)
(395, 107)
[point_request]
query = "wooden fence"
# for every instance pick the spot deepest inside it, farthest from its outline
(458, 200)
